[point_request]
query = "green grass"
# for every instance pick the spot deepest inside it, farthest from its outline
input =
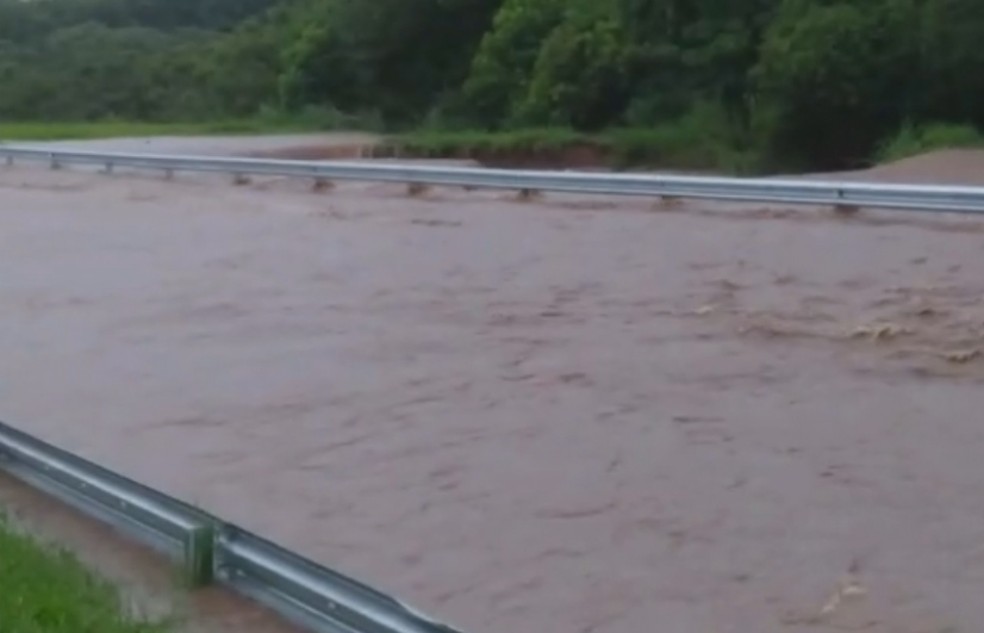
(669, 146)
(678, 147)
(700, 139)
(48, 131)
(912, 140)
(310, 119)
(43, 590)
(440, 142)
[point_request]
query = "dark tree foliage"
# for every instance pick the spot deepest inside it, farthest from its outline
(816, 82)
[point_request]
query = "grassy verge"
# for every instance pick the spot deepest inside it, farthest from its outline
(33, 131)
(673, 147)
(49, 591)
(698, 142)
(441, 142)
(912, 140)
(312, 119)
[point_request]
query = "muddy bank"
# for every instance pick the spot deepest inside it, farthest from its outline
(945, 167)
(584, 156)
(150, 589)
(575, 156)
(301, 146)
(954, 167)
(569, 415)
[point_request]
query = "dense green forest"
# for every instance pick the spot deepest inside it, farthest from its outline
(819, 83)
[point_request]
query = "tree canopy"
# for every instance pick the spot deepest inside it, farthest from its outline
(816, 82)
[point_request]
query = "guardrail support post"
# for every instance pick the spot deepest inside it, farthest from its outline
(199, 551)
(416, 189)
(108, 169)
(240, 179)
(528, 195)
(168, 174)
(669, 202)
(844, 209)
(10, 161)
(54, 163)
(323, 184)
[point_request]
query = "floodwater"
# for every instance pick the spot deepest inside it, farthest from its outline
(562, 416)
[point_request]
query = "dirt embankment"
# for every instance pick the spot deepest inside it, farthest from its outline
(580, 156)
(301, 146)
(575, 156)
(957, 167)
(949, 167)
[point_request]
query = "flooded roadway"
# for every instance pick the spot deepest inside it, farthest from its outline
(563, 417)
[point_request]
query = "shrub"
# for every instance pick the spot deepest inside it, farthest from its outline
(911, 140)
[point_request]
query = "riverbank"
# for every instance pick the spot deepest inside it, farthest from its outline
(48, 590)
(134, 588)
(687, 146)
(68, 130)
(677, 147)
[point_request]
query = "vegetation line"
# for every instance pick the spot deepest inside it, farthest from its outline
(47, 590)
(83, 130)
(731, 85)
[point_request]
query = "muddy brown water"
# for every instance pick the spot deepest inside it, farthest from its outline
(567, 416)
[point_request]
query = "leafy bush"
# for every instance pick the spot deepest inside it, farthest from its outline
(912, 140)
(796, 84)
(700, 140)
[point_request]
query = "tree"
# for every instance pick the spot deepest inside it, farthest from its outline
(502, 70)
(952, 61)
(397, 56)
(806, 83)
(834, 78)
(579, 77)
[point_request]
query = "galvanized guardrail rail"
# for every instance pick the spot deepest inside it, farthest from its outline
(840, 194)
(208, 548)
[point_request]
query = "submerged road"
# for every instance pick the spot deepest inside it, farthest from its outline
(575, 416)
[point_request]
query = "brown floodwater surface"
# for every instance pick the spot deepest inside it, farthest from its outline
(567, 416)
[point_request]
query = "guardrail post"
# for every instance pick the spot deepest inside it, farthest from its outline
(669, 202)
(168, 174)
(183, 533)
(844, 209)
(240, 179)
(527, 195)
(55, 164)
(199, 551)
(10, 161)
(416, 189)
(323, 184)
(108, 169)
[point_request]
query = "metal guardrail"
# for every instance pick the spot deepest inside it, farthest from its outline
(307, 593)
(167, 525)
(209, 549)
(840, 194)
